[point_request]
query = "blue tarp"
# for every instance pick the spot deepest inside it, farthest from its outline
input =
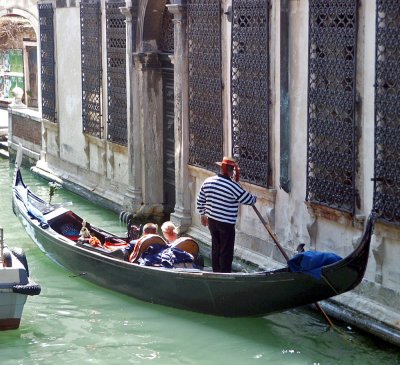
(166, 256)
(311, 262)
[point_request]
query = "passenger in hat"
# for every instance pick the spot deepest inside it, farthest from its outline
(218, 204)
(169, 231)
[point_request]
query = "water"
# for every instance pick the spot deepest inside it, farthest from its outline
(75, 322)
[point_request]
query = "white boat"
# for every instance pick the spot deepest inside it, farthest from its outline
(15, 285)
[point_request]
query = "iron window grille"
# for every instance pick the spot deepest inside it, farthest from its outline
(167, 36)
(90, 21)
(331, 135)
(47, 70)
(117, 127)
(250, 88)
(387, 112)
(205, 83)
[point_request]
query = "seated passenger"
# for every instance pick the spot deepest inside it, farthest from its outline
(169, 231)
(149, 228)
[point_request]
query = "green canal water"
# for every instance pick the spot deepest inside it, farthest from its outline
(75, 322)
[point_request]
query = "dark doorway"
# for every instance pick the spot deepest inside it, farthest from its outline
(169, 135)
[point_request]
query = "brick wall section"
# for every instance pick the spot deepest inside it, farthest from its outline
(27, 129)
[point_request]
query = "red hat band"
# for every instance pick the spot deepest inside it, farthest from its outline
(228, 162)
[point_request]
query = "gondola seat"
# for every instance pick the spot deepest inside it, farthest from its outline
(144, 243)
(187, 244)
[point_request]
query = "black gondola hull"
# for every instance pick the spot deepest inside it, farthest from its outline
(222, 294)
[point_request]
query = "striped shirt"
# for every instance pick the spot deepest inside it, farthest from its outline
(219, 199)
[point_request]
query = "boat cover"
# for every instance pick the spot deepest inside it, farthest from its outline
(311, 262)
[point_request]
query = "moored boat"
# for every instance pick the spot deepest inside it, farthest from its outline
(55, 228)
(15, 285)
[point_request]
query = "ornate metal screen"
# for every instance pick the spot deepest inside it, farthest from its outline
(167, 36)
(387, 112)
(117, 130)
(47, 70)
(91, 67)
(331, 148)
(205, 83)
(250, 88)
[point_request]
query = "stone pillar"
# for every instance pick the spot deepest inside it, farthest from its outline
(133, 196)
(182, 214)
(150, 136)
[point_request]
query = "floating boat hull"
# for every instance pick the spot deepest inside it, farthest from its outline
(221, 294)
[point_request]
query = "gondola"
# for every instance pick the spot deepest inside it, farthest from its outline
(235, 294)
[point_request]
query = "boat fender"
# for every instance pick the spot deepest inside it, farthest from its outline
(7, 259)
(28, 289)
(19, 253)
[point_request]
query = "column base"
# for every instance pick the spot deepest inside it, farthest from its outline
(182, 218)
(133, 200)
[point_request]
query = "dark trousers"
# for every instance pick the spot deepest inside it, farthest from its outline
(223, 241)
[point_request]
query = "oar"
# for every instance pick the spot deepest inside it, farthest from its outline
(273, 235)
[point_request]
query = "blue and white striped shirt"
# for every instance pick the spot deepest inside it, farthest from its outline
(219, 199)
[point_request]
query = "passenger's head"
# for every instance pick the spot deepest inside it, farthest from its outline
(150, 228)
(169, 231)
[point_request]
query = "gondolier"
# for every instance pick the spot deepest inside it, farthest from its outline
(218, 204)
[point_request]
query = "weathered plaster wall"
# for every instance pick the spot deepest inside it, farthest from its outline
(89, 162)
(69, 90)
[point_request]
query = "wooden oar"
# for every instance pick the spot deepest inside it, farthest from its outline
(285, 255)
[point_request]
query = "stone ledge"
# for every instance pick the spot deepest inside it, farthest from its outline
(370, 316)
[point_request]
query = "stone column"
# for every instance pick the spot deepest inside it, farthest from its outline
(182, 215)
(133, 196)
(150, 135)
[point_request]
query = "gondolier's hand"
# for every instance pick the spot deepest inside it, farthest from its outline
(204, 220)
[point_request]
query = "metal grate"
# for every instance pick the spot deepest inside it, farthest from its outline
(331, 148)
(91, 67)
(387, 112)
(167, 36)
(47, 70)
(168, 135)
(205, 83)
(250, 88)
(117, 130)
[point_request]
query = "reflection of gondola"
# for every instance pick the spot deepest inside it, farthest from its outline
(224, 294)
(15, 285)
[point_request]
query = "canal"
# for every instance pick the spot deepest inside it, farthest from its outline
(75, 322)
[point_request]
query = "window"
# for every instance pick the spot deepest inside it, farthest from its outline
(47, 70)
(250, 88)
(91, 67)
(387, 112)
(331, 142)
(205, 83)
(117, 129)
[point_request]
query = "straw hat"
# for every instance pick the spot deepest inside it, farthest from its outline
(227, 161)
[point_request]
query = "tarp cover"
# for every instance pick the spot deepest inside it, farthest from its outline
(311, 262)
